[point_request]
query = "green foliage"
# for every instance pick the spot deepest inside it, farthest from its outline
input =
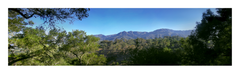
(54, 47)
(93, 59)
(115, 63)
(16, 23)
(211, 42)
(153, 56)
(141, 45)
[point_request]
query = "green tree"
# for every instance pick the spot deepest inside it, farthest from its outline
(215, 28)
(36, 47)
(54, 47)
(34, 43)
(79, 44)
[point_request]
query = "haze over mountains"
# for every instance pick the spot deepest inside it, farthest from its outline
(145, 35)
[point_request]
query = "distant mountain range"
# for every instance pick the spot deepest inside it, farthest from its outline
(146, 35)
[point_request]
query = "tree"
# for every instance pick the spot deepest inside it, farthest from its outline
(52, 15)
(16, 23)
(52, 48)
(56, 47)
(215, 28)
(81, 45)
(35, 44)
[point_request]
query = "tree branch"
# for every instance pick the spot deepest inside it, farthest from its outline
(14, 61)
(18, 11)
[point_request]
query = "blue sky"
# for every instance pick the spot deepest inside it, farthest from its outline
(109, 21)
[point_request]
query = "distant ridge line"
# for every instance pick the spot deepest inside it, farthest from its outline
(145, 35)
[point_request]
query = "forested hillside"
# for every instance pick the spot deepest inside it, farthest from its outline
(209, 44)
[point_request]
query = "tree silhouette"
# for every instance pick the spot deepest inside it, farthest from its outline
(52, 15)
(215, 28)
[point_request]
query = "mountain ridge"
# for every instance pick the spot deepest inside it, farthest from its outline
(145, 35)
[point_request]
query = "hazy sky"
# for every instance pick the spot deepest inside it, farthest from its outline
(109, 21)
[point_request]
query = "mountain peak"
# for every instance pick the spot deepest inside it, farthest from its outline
(123, 32)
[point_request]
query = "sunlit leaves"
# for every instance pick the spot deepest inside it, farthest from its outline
(93, 59)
